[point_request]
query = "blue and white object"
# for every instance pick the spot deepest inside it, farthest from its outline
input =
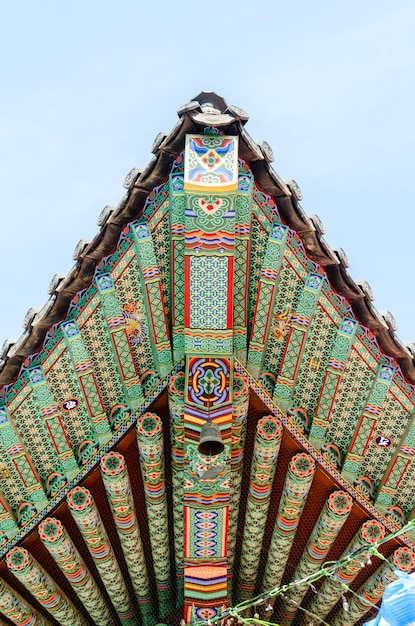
(398, 603)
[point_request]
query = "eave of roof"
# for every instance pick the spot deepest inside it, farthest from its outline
(206, 109)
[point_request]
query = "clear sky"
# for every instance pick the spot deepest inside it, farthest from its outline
(86, 86)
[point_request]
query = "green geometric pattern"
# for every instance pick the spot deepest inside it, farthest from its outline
(314, 362)
(265, 297)
(366, 430)
(208, 292)
(300, 322)
(83, 367)
(116, 327)
(241, 260)
(153, 289)
(101, 351)
(349, 401)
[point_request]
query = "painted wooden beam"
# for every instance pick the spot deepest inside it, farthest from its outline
(267, 443)
(293, 498)
(117, 485)
(334, 514)
(38, 582)
(89, 522)
(150, 446)
(331, 590)
(176, 407)
(58, 543)
(17, 610)
(372, 590)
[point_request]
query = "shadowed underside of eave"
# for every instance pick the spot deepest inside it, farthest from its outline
(262, 555)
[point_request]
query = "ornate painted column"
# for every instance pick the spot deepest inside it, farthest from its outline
(206, 486)
(113, 315)
(331, 590)
(239, 419)
(328, 526)
(293, 498)
(88, 520)
(176, 406)
(399, 475)
(366, 428)
(87, 381)
(177, 210)
(270, 273)
(61, 457)
(17, 610)
(296, 338)
(242, 262)
(150, 446)
(372, 590)
(264, 461)
(117, 485)
(332, 378)
(210, 189)
(158, 327)
(43, 587)
(19, 479)
(58, 543)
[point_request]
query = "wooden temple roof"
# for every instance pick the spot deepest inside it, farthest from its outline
(207, 297)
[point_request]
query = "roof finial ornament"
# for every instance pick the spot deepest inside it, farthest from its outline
(210, 108)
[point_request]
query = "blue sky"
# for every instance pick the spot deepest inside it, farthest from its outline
(86, 87)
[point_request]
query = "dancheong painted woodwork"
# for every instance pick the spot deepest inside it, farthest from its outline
(207, 297)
